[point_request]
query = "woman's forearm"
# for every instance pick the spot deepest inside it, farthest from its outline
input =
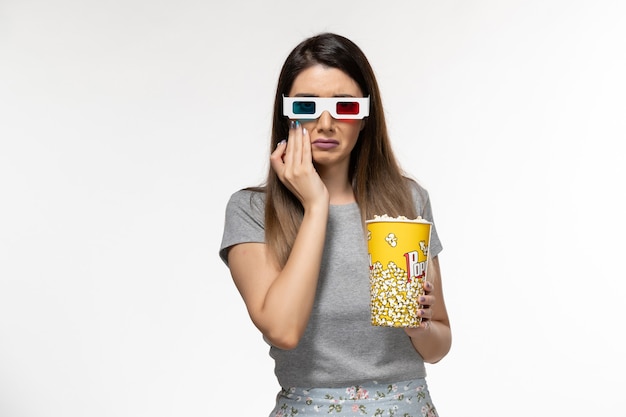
(289, 300)
(434, 342)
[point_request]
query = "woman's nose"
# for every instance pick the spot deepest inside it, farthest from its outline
(325, 121)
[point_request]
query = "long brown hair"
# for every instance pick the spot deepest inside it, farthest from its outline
(380, 186)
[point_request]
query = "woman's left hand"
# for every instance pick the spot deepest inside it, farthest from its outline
(433, 338)
(425, 312)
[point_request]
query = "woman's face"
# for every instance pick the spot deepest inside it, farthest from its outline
(332, 140)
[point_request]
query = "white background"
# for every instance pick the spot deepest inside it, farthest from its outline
(125, 126)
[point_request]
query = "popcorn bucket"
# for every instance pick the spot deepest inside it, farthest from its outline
(398, 256)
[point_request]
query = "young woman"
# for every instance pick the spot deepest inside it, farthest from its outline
(297, 250)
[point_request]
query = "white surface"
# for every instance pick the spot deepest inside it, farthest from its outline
(119, 148)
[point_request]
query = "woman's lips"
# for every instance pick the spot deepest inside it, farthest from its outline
(325, 143)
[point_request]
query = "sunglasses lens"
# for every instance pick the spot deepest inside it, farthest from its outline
(348, 107)
(304, 107)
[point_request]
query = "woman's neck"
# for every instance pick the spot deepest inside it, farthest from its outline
(338, 185)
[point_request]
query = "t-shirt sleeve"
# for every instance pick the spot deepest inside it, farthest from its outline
(424, 209)
(244, 221)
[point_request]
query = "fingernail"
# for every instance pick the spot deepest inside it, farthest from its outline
(422, 313)
(281, 142)
(304, 131)
(292, 124)
(422, 299)
(297, 123)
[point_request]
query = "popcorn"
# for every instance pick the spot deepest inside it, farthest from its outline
(398, 253)
(385, 217)
(392, 240)
(393, 296)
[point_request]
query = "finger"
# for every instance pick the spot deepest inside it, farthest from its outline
(426, 300)
(307, 155)
(276, 158)
(428, 286)
(426, 313)
(295, 137)
(288, 154)
(280, 146)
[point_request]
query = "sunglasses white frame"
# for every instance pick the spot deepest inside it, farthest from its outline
(328, 104)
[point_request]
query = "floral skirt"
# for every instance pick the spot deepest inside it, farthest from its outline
(401, 399)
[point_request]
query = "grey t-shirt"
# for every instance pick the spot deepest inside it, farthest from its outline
(340, 347)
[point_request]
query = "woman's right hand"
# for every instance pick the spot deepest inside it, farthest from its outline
(280, 299)
(292, 160)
